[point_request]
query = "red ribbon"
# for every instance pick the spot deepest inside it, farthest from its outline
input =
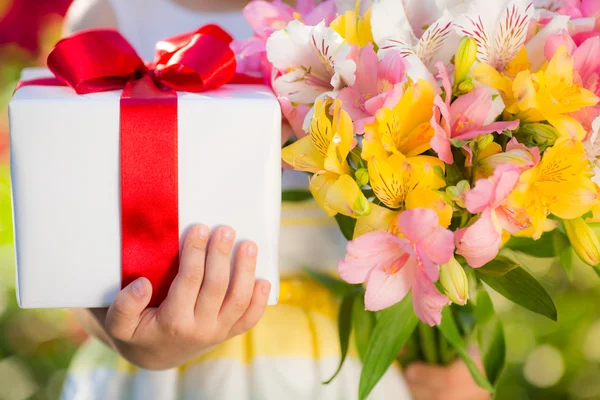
(101, 60)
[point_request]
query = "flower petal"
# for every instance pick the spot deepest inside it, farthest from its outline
(300, 86)
(363, 254)
(480, 242)
(386, 289)
(421, 227)
(428, 302)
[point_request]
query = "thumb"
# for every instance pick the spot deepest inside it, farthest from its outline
(124, 314)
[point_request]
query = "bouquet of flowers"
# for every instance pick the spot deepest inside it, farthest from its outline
(446, 137)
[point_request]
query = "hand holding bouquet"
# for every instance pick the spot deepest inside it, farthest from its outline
(444, 136)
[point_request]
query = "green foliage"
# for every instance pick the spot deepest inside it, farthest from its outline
(518, 286)
(490, 336)
(392, 330)
(344, 329)
(347, 225)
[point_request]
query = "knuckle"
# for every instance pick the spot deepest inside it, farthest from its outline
(120, 307)
(216, 285)
(177, 329)
(193, 277)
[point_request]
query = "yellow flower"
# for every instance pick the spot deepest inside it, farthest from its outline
(553, 94)
(560, 184)
(354, 28)
(406, 128)
(324, 152)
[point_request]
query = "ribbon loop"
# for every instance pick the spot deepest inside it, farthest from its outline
(112, 63)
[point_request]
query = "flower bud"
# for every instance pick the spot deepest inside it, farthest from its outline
(457, 193)
(362, 176)
(584, 240)
(454, 282)
(464, 59)
(465, 87)
(539, 133)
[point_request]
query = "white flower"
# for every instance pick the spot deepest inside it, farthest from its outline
(498, 26)
(416, 27)
(313, 59)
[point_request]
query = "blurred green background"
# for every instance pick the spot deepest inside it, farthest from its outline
(546, 360)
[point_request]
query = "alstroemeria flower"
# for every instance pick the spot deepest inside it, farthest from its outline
(560, 184)
(469, 116)
(499, 27)
(314, 61)
(393, 265)
(552, 94)
(417, 28)
(480, 242)
(406, 127)
(267, 17)
(584, 16)
(323, 152)
(378, 84)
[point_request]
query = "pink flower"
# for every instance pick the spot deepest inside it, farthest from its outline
(580, 10)
(480, 242)
(367, 95)
(467, 117)
(391, 265)
(265, 18)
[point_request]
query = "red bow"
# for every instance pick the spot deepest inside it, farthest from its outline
(101, 60)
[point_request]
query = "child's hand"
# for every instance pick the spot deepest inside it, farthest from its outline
(429, 382)
(201, 310)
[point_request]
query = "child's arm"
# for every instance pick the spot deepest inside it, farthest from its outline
(86, 14)
(203, 308)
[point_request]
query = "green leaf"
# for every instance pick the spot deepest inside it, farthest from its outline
(499, 266)
(428, 341)
(296, 195)
(565, 252)
(450, 331)
(344, 329)
(347, 225)
(520, 287)
(543, 247)
(363, 322)
(337, 286)
(392, 330)
(490, 336)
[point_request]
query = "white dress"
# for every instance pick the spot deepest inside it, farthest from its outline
(295, 346)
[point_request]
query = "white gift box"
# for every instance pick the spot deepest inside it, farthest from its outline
(65, 184)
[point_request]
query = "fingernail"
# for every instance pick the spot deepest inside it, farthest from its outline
(138, 288)
(203, 232)
(227, 234)
(266, 288)
(250, 249)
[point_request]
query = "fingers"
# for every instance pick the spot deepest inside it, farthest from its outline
(123, 316)
(181, 300)
(255, 310)
(242, 285)
(216, 274)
